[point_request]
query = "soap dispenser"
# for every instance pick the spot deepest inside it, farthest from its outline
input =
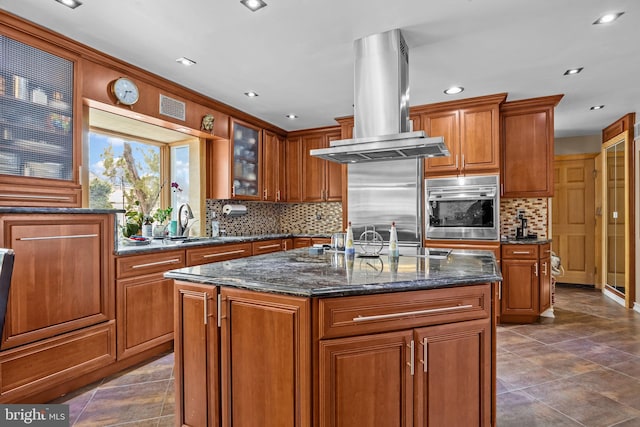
(349, 249)
(394, 252)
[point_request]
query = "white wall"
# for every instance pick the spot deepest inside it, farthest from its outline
(578, 144)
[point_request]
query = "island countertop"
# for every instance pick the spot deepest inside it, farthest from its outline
(330, 274)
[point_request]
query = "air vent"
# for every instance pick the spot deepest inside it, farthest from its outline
(172, 107)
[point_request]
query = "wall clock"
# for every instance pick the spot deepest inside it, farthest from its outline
(125, 91)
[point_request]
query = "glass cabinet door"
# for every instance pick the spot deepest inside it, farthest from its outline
(246, 161)
(36, 98)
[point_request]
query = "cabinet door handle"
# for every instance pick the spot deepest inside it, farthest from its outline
(34, 197)
(264, 194)
(425, 355)
(70, 236)
(412, 357)
(278, 195)
(233, 191)
(456, 161)
(409, 313)
(276, 245)
(239, 251)
(219, 310)
(544, 264)
(205, 308)
(536, 269)
(151, 264)
(521, 252)
(284, 244)
(462, 161)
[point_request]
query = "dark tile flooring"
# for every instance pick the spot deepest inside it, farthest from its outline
(580, 368)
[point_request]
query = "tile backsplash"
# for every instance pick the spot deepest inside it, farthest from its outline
(535, 211)
(275, 218)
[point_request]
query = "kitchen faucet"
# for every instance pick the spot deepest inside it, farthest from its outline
(183, 220)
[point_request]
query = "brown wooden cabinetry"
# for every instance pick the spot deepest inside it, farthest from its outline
(197, 353)
(471, 132)
(274, 168)
(293, 162)
(265, 359)
(145, 301)
(205, 255)
(527, 147)
(268, 246)
(321, 179)
(305, 242)
(59, 323)
(526, 286)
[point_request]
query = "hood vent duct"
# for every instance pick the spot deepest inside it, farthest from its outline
(382, 127)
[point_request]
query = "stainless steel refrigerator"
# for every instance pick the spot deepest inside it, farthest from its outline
(380, 193)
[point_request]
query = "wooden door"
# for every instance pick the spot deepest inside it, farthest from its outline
(616, 203)
(333, 191)
(447, 125)
(61, 276)
(366, 381)
(293, 161)
(453, 375)
(520, 295)
(573, 217)
(266, 362)
(196, 356)
(479, 139)
(313, 169)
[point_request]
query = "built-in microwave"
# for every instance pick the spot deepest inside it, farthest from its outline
(462, 208)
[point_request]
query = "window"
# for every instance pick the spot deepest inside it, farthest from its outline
(136, 166)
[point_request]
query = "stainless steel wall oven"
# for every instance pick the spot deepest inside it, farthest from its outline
(462, 208)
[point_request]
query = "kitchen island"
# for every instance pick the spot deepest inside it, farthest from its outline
(297, 339)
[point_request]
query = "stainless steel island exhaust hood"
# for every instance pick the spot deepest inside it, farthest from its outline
(382, 127)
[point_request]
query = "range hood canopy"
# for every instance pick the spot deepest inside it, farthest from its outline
(382, 127)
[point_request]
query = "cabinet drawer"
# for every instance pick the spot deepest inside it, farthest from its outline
(137, 265)
(40, 366)
(520, 251)
(545, 250)
(365, 314)
(198, 256)
(266, 246)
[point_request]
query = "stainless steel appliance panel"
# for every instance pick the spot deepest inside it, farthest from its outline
(462, 208)
(381, 193)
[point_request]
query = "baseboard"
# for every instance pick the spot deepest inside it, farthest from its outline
(576, 285)
(607, 293)
(636, 307)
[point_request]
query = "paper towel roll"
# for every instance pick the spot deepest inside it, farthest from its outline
(234, 210)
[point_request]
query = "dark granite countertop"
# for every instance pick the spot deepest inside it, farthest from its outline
(297, 272)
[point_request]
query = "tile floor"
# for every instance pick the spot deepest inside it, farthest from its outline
(581, 368)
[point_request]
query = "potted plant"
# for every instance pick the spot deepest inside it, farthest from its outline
(133, 220)
(161, 216)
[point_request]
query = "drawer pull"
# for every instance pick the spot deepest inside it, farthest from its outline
(239, 251)
(412, 357)
(151, 264)
(277, 245)
(521, 252)
(425, 355)
(35, 197)
(205, 303)
(70, 236)
(409, 313)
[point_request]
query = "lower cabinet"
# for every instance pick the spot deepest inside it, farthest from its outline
(268, 246)
(420, 358)
(526, 286)
(196, 351)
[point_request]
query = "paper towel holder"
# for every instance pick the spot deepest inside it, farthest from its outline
(234, 210)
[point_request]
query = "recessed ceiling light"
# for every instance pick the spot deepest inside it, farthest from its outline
(572, 71)
(454, 90)
(70, 3)
(608, 18)
(253, 5)
(291, 116)
(251, 94)
(597, 107)
(185, 61)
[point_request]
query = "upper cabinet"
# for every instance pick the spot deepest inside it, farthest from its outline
(471, 131)
(38, 125)
(527, 147)
(274, 168)
(321, 179)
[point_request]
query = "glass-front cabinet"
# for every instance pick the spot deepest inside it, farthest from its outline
(37, 150)
(246, 146)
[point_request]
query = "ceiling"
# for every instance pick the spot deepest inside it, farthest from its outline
(298, 54)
